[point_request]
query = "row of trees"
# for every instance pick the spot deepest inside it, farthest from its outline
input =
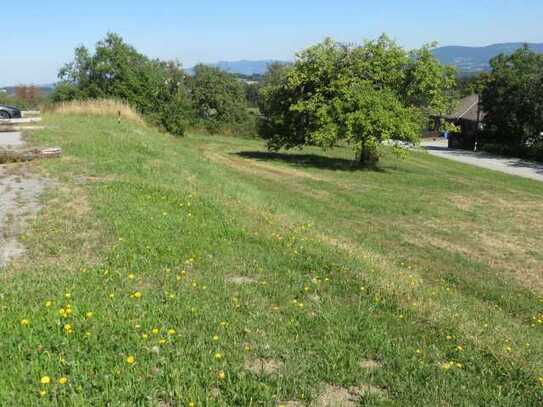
(333, 93)
(160, 90)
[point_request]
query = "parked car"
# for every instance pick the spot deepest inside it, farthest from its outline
(9, 112)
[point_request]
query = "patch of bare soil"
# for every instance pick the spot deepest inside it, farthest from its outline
(19, 203)
(240, 280)
(290, 403)
(370, 364)
(263, 367)
(336, 396)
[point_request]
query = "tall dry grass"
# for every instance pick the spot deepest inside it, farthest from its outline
(98, 107)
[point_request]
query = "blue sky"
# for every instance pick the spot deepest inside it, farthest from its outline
(37, 37)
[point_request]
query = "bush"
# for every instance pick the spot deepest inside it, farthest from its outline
(116, 70)
(219, 101)
(511, 99)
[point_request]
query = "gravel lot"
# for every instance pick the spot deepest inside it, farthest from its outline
(19, 200)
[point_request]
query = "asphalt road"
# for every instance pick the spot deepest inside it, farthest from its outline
(512, 166)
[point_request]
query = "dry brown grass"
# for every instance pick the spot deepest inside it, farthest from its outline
(98, 107)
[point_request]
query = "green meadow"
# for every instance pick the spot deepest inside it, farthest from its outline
(206, 271)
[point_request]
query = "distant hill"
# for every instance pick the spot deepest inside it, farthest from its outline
(476, 59)
(468, 60)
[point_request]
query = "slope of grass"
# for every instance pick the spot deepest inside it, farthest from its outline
(204, 270)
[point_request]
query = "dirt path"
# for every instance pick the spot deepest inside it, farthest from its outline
(19, 193)
(513, 166)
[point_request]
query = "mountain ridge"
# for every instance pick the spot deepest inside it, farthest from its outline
(468, 59)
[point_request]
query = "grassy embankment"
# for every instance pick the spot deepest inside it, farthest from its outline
(166, 271)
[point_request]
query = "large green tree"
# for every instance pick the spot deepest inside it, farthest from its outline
(117, 70)
(218, 97)
(361, 95)
(513, 98)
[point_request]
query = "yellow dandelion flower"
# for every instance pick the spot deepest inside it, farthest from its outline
(89, 315)
(144, 336)
(87, 334)
(131, 276)
(25, 322)
(162, 341)
(215, 338)
(130, 360)
(137, 295)
(155, 331)
(221, 375)
(68, 329)
(171, 332)
(63, 380)
(45, 380)
(48, 304)
(218, 356)
(247, 348)
(68, 295)
(43, 393)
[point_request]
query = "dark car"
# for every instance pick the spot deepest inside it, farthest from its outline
(9, 112)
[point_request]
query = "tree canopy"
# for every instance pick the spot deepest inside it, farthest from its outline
(157, 89)
(361, 95)
(219, 98)
(513, 98)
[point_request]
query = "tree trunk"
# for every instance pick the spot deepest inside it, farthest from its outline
(366, 157)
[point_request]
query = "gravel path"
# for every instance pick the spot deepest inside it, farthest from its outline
(19, 193)
(513, 166)
(11, 140)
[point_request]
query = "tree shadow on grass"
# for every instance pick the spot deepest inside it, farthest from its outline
(306, 160)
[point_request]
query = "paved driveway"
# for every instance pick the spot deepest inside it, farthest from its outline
(513, 166)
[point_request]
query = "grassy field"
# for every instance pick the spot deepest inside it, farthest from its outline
(206, 271)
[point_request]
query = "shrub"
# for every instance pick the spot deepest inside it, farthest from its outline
(116, 70)
(511, 99)
(219, 101)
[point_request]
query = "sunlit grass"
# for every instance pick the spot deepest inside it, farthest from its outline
(201, 270)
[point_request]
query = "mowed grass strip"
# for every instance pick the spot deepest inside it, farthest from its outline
(204, 270)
